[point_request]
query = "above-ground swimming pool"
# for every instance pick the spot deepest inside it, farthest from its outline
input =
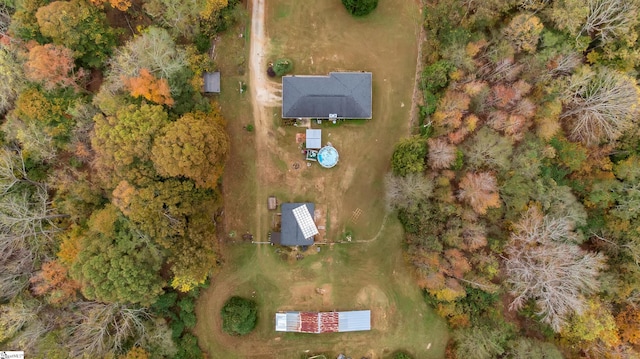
(328, 157)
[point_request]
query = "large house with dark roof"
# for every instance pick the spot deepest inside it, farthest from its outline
(341, 95)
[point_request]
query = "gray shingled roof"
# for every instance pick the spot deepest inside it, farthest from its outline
(345, 94)
(212, 82)
(291, 235)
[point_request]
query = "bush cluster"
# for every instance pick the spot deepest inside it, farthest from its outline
(360, 7)
(239, 316)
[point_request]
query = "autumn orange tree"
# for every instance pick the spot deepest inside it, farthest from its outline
(151, 88)
(195, 147)
(628, 321)
(53, 280)
(53, 66)
(480, 191)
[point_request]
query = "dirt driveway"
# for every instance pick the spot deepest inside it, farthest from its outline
(266, 95)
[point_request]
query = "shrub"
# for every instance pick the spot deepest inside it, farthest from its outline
(435, 77)
(270, 72)
(188, 319)
(282, 66)
(430, 103)
(409, 156)
(360, 7)
(401, 355)
(239, 316)
(163, 304)
(177, 328)
(188, 348)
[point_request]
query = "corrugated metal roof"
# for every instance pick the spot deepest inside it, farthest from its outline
(339, 95)
(288, 322)
(323, 322)
(354, 321)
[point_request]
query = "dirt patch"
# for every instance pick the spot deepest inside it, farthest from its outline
(321, 221)
(317, 266)
(302, 295)
(308, 296)
(95, 81)
(326, 291)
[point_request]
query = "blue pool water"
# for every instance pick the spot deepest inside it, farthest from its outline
(328, 157)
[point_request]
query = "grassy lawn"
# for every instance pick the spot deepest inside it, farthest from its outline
(321, 37)
(353, 276)
(239, 192)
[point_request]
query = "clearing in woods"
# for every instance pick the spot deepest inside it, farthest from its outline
(319, 36)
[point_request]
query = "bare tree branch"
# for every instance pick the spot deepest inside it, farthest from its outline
(404, 192)
(101, 328)
(609, 18)
(600, 105)
(544, 266)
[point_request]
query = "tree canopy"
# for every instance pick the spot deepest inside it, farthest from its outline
(123, 143)
(409, 156)
(117, 263)
(239, 316)
(195, 147)
(80, 27)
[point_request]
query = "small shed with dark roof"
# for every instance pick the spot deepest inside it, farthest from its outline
(211, 82)
(341, 95)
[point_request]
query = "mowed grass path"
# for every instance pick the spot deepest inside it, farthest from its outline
(321, 37)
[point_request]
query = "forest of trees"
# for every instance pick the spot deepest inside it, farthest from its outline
(519, 191)
(110, 162)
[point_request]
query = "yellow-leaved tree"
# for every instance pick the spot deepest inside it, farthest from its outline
(122, 5)
(194, 147)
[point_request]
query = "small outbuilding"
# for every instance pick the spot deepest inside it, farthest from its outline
(272, 203)
(212, 82)
(323, 322)
(313, 139)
